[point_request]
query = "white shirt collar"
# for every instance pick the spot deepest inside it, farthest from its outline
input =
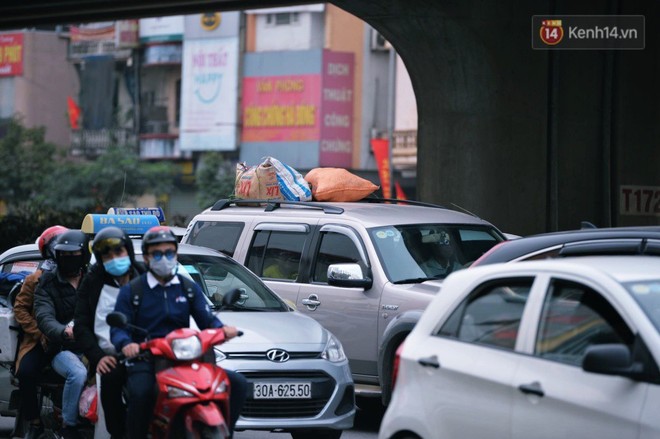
(152, 281)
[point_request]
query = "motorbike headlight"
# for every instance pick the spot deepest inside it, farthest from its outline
(333, 351)
(222, 387)
(175, 392)
(187, 348)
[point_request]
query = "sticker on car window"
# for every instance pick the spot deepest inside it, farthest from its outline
(382, 234)
(191, 269)
(24, 266)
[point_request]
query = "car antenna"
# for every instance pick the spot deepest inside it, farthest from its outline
(464, 210)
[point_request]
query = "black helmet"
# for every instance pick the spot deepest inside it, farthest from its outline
(111, 237)
(157, 235)
(71, 241)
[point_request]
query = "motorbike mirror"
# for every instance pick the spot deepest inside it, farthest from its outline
(116, 319)
(231, 297)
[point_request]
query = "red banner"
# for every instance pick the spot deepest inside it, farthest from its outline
(400, 194)
(74, 113)
(380, 147)
(11, 54)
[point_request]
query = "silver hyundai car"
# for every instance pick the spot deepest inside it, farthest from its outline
(298, 374)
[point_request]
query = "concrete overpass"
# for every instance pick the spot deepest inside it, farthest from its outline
(532, 140)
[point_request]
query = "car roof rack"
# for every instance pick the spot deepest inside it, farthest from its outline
(271, 205)
(398, 201)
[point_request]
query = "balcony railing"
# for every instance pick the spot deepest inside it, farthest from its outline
(81, 49)
(93, 143)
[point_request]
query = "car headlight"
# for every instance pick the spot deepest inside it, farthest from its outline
(333, 351)
(219, 355)
(187, 348)
(175, 392)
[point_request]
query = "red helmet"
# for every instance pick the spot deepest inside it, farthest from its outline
(46, 238)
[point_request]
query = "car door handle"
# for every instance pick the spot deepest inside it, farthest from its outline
(431, 361)
(311, 302)
(532, 389)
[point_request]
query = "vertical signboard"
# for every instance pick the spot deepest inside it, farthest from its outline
(281, 108)
(11, 54)
(209, 95)
(336, 141)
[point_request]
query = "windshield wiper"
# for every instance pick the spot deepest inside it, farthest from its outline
(414, 280)
(240, 308)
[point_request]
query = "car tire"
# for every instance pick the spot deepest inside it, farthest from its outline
(316, 434)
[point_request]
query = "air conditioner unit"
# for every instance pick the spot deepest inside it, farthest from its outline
(378, 42)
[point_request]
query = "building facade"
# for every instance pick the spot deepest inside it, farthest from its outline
(310, 85)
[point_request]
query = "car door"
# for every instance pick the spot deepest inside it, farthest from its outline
(276, 256)
(349, 313)
(465, 370)
(554, 396)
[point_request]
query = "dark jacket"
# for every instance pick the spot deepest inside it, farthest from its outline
(161, 310)
(54, 306)
(89, 292)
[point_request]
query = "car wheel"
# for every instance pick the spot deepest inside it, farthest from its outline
(316, 434)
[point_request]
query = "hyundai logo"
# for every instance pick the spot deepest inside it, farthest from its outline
(277, 355)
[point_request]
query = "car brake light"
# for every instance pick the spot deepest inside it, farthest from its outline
(395, 364)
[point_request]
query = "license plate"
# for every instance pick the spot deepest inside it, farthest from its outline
(287, 390)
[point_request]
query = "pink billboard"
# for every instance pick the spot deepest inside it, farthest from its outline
(336, 141)
(281, 108)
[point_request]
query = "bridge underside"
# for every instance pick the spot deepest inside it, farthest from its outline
(532, 140)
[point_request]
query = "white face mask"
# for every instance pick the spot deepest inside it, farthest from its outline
(164, 267)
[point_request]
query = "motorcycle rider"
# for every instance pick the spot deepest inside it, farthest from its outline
(163, 308)
(115, 266)
(54, 306)
(31, 358)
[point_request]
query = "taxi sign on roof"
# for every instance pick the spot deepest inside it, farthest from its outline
(131, 224)
(156, 211)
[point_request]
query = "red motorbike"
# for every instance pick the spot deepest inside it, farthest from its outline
(193, 393)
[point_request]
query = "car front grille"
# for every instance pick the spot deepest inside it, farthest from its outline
(322, 388)
(262, 355)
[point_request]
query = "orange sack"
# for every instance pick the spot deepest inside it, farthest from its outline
(337, 184)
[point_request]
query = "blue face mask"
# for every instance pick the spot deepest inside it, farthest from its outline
(117, 266)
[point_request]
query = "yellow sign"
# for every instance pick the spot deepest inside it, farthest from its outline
(210, 20)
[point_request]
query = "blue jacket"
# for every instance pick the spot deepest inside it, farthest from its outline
(162, 310)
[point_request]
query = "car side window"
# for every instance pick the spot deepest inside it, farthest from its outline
(276, 255)
(575, 317)
(491, 314)
(335, 248)
(221, 236)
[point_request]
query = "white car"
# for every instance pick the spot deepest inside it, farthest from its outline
(550, 349)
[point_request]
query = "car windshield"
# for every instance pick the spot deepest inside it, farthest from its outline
(647, 294)
(419, 252)
(217, 276)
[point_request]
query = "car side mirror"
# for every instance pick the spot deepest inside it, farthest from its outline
(348, 275)
(231, 297)
(116, 319)
(612, 359)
